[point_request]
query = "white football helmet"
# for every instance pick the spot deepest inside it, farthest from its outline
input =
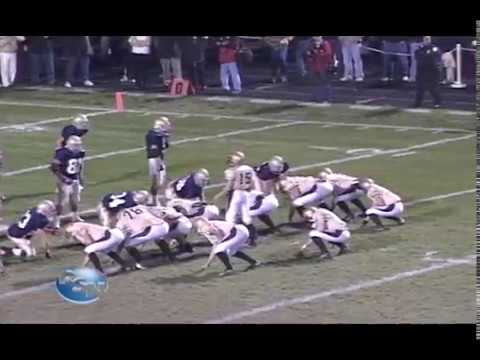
(80, 122)
(162, 124)
(276, 164)
(327, 170)
(141, 197)
(323, 175)
(201, 177)
(47, 208)
(74, 143)
(236, 158)
(365, 183)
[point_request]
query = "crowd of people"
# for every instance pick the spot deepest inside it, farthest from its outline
(177, 57)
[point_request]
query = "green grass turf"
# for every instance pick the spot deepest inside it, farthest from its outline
(172, 294)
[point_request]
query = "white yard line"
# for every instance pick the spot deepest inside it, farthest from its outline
(177, 142)
(341, 290)
(237, 117)
(404, 154)
(55, 120)
(366, 107)
(264, 101)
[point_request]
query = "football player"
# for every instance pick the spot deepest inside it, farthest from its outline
(2, 196)
(345, 188)
(112, 203)
(269, 174)
(79, 127)
(327, 227)
(179, 226)
(190, 187)
(68, 169)
(141, 225)
(385, 204)
(227, 240)
(238, 212)
(305, 191)
(157, 141)
(233, 161)
(35, 223)
(97, 239)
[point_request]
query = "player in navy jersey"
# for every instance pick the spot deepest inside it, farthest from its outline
(157, 141)
(112, 203)
(68, 169)
(35, 222)
(189, 187)
(79, 127)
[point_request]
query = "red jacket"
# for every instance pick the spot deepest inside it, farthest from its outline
(227, 52)
(319, 59)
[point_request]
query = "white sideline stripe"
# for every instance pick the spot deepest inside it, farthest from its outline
(265, 101)
(236, 117)
(364, 128)
(402, 130)
(183, 141)
(313, 104)
(461, 112)
(55, 120)
(404, 154)
(219, 98)
(328, 148)
(366, 107)
(422, 111)
(342, 290)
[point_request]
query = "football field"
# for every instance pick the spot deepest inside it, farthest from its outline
(422, 272)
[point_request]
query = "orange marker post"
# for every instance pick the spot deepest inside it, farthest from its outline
(119, 101)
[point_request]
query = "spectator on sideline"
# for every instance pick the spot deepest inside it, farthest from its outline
(428, 72)
(320, 56)
(416, 43)
(168, 49)
(40, 51)
(279, 52)
(77, 50)
(139, 58)
(398, 45)
(449, 64)
(8, 58)
(227, 57)
(351, 53)
(303, 42)
(194, 60)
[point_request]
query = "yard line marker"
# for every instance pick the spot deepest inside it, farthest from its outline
(341, 290)
(404, 154)
(440, 197)
(313, 104)
(55, 120)
(237, 117)
(327, 126)
(364, 128)
(402, 130)
(327, 148)
(177, 142)
(265, 101)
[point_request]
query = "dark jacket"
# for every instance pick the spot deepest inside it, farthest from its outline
(193, 48)
(164, 46)
(75, 46)
(428, 62)
(38, 44)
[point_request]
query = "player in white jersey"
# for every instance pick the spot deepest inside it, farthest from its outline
(345, 189)
(385, 204)
(233, 161)
(141, 226)
(179, 226)
(227, 240)
(305, 191)
(238, 212)
(97, 239)
(326, 227)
